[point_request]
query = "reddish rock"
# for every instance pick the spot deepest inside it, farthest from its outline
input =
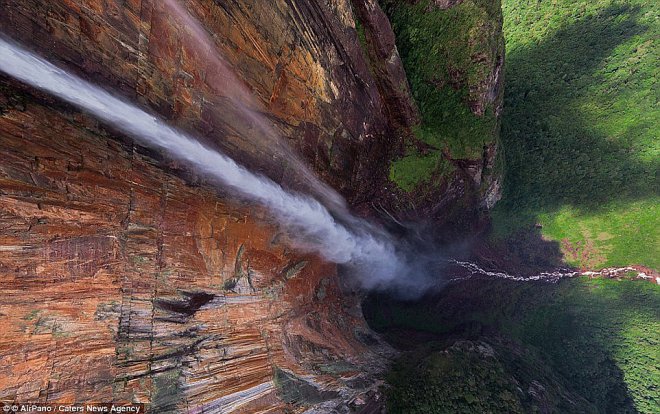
(301, 60)
(126, 278)
(123, 277)
(122, 282)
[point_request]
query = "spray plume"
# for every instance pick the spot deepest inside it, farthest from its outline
(314, 229)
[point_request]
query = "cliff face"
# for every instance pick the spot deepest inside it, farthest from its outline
(124, 277)
(125, 280)
(301, 60)
(453, 53)
(122, 282)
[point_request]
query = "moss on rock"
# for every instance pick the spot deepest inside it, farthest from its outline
(451, 57)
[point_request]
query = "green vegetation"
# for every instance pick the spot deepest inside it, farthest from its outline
(580, 128)
(579, 136)
(446, 54)
(413, 169)
(465, 378)
(596, 331)
(590, 341)
(475, 376)
(167, 391)
(230, 283)
(362, 37)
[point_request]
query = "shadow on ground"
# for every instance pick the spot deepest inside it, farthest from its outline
(553, 156)
(555, 338)
(554, 345)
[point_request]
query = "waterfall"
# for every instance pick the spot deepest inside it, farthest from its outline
(378, 262)
(310, 224)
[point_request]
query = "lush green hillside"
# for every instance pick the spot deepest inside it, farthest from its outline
(448, 55)
(580, 128)
(581, 149)
(590, 345)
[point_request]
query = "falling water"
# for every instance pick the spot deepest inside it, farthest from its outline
(374, 256)
(311, 224)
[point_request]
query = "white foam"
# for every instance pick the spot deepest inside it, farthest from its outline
(314, 229)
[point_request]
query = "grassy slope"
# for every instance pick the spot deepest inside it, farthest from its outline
(594, 339)
(436, 48)
(580, 129)
(581, 147)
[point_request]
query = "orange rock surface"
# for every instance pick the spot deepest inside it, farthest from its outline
(124, 277)
(122, 282)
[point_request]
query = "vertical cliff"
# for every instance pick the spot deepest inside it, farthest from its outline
(122, 282)
(126, 277)
(301, 60)
(453, 53)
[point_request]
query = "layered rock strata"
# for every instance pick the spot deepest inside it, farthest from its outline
(123, 282)
(124, 277)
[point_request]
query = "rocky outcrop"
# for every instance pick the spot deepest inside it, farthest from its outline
(123, 282)
(124, 276)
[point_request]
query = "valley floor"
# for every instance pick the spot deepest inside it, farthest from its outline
(580, 129)
(482, 345)
(581, 160)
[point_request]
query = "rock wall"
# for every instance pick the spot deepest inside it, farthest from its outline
(301, 59)
(123, 275)
(123, 282)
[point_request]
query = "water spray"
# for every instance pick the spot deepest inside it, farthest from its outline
(312, 227)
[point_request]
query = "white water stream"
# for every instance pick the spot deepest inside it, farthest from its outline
(553, 277)
(248, 114)
(370, 251)
(307, 220)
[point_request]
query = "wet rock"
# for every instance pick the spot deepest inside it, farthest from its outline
(124, 275)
